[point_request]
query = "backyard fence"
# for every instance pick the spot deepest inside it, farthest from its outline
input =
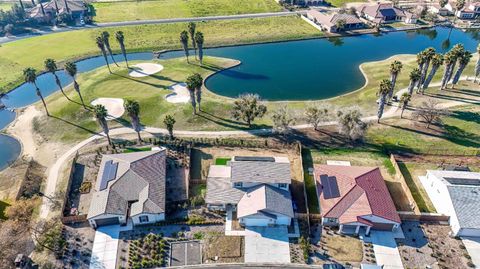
(399, 177)
(66, 218)
(426, 217)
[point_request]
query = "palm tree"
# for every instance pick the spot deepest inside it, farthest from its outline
(184, 41)
(404, 99)
(192, 86)
(101, 46)
(198, 89)
(464, 59)
(41, 7)
(30, 75)
(395, 69)
(421, 59)
(428, 54)
(133, 109)
(169, 121)
(191, 31)
(21, 5)
(100, 113)
(51, 66)
(199, 40)
(71, 69)
(477, 65)
(385, 86)
(106, 41)
(121, 41)
(458, 50)
(436, 61)
(448, 61)
(414, 78)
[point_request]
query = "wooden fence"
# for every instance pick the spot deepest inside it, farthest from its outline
(427, 217)
(74, 219)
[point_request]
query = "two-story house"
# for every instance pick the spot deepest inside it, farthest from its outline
(470, 11)
(256, 188)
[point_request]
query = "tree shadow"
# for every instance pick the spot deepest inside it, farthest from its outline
(225, 119)
(143, 82)
(242, 75)
(464, 91)
(74, 124)
(453, 98)
(466, 116)
(233, 124)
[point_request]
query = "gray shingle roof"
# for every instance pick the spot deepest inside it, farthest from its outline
(267, 200)
(140, 177)
(260, 172)
(466, 202)
(220, 191)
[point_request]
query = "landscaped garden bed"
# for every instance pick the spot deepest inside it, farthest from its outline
(147, 252)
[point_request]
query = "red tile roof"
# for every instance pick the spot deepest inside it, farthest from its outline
(362, 191)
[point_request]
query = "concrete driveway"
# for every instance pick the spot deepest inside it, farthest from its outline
(472, 244)
(105, 246)
(267, 245)
(386, 251)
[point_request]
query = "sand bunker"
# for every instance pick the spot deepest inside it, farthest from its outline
(114, 106)
(180, 94)
(145, 69)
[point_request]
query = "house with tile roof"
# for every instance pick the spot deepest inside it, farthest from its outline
(77, 9)
(386, 13)
(256, 188)
(456, 194)
(470, 11)
(329, 21)
(130, 186)
(354, 198)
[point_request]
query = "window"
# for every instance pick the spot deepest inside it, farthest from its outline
(238, 184)
(143, 219)
(282, 185)
(331, 220)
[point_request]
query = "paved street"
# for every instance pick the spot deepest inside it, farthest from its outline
(267, 245)
(386, 251)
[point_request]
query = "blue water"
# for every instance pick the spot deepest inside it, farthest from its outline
(296, 70)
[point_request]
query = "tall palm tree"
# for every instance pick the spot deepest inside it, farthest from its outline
(121, 41)
(428, 53)
(41, 7)
(404, 99)
(448, 61)
(458, 51)
(51, 67)
(463, 60)
(184, 41)
(191, 30)
(71, 69)
(106, 41)
(21, 5)
(421, 59)
(66, 6)
(192, 86)
(414, 78)
(30, 75)
(385, 86)
(169, 121)
(133, 109)
(100, 113)
(436, 62)
(199, 40)
(395, 69)
(101, 46)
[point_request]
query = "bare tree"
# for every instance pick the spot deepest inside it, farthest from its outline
(282, 120)
(317, 115)
(350, 123)
(248, 107)
(429, 112)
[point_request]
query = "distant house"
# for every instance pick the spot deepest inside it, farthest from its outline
(77, 9)
(386, 13)
(354, 197)
(470, 11)
(456, 194)
(328, 21)
(437, 9)
(256, 188)
(129, 186)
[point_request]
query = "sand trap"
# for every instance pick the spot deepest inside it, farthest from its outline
(180, 94)
(114, 106)
(145, 69)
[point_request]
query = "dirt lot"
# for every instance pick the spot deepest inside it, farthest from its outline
(449, 252)
(229, 249)
(203, 157)
(415, 249)
(341, 248)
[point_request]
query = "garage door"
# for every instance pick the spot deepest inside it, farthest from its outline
(255, 222)
(107, 221)
(383, 226)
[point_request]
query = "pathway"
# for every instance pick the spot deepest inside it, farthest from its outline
(105, 246)
(386, 250)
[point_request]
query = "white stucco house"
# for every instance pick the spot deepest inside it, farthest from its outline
(456, 194)
(130, 186)
(255, 188)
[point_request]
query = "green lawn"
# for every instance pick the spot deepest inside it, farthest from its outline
(341, 3)
(128, 150)
(222, 161)
(5, 6)
(15, 56)
(161, 9)
(3, 206)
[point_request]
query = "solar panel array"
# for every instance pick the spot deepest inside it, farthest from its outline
(109, 173)
(463, 181)
(330, 187)
(254, 159)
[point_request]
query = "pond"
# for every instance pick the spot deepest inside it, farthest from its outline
(10, 150)
(296, 70)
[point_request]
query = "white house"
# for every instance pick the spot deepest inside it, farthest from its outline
(129, 186)
(470, 11)
(256, 188)
(456, 194)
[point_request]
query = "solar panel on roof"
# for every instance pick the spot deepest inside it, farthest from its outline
(330, 187)
(109, 173)
(254, 159)
(463, 181)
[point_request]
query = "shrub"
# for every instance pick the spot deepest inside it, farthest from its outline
(85, 187)
(305, 246)
(198, 235)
